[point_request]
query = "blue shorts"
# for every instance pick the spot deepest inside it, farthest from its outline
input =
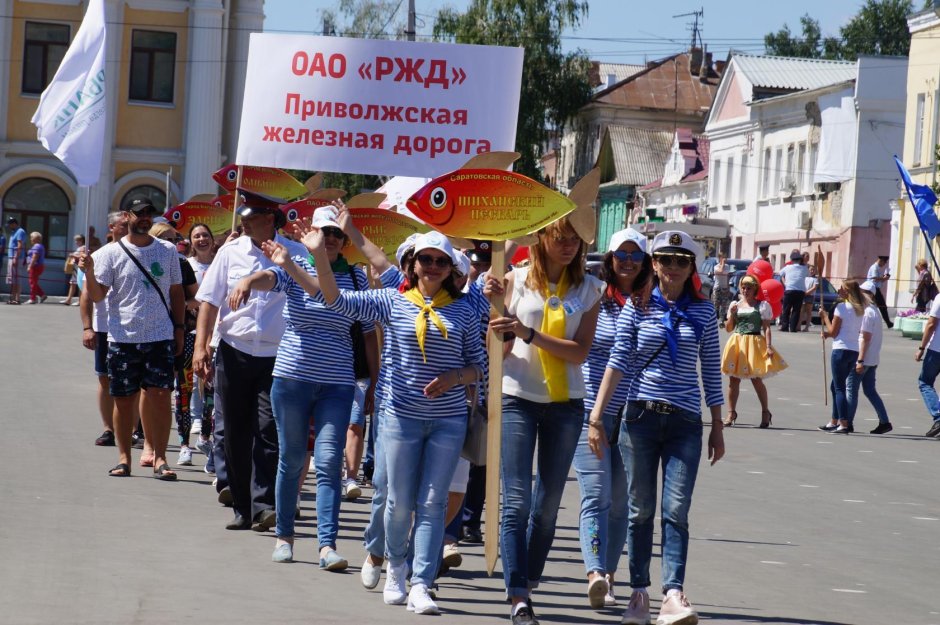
(133, 366)
(101, 353)
(357, 416)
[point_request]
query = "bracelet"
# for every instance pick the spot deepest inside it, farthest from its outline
(531, 336)
(595, 424)
(87, 329)
(921, 348)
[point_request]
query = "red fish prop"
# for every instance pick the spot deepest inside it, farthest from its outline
(387, 229)
(489, 203)
(303, 209)
(226, 201)
(186, 215)
(266, 181)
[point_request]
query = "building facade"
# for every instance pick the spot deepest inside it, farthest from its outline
(175, 73)
(801, 157)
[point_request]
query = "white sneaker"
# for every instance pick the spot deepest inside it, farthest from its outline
(676, 610)
(196, 426)
(394, 591)
(609, 599)
(452, 557)
(638, 610)
(351, 490)
(420, 602)
(370, 574)
(186, 457)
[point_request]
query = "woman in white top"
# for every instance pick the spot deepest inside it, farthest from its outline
(551, 311)
(202, 251)
(844, 329)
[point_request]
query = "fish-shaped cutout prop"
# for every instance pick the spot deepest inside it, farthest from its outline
(493, 204)
(266, 181)
(387, 229)
(226, 201)
(303, 209)
(186, 215)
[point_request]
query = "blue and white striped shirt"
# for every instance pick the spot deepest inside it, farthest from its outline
(316, 345)
(391, 278)
(640, 334)
(593, 368)
(409, 374)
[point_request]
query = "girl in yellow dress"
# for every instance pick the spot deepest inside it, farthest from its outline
(748, 352)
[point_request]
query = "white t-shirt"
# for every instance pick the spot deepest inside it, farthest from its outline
(871, 322)
(810, 282)
(935, 312)
(99, 318)
(851, 326)
(198, 268)
(136, 313)
(522, 368)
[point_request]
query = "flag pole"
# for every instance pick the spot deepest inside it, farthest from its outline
(87, 190)
(236, 204)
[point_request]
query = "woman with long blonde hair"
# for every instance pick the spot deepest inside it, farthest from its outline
(843, 329)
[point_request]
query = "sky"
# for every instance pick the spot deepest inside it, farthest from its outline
(623, 31)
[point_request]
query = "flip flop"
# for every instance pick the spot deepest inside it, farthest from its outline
(125, 471)
(164, 473)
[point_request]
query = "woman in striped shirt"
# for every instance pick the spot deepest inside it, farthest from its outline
(434, 337)
(627, 269)
(664, 336)
(313, 379)
(551, 308)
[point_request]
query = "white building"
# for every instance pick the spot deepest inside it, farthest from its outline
(801, 156)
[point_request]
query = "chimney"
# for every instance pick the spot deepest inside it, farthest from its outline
(706, 65)
(611, 80)
(695, 61)
(720, 67)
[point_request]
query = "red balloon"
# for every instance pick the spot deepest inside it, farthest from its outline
(761, 269)
(521, 254)
(776, 308)
(772, 290)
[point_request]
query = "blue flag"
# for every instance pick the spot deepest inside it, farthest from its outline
(923, 199)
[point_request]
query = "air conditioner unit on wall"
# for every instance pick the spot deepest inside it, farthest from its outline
(804, 221)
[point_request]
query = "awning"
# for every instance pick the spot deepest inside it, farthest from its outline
(701, 229)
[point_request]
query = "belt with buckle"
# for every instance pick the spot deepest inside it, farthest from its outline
(660, 407)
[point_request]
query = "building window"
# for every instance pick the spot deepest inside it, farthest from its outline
(155, 196)
(45, 46)
(778, 172)
(729, 181)
(715, 175)
(919, 128)
(40, 205)
(765, 175)
(742, 180)
(153, 60)
(800, 167)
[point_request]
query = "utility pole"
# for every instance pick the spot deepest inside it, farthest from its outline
(410, 33)
(696, 33)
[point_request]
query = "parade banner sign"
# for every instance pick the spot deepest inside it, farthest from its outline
(374, 106)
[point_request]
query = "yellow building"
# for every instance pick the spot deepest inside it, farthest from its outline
(175, 73)
(920, 139)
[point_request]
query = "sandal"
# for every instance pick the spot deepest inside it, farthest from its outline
(164, 473)
(765, 419)
(121, 470)
(730, 419)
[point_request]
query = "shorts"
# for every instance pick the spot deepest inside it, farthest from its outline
(133, 366)
(101, 353)
(13, 271)
(357, 416)
(458, 484)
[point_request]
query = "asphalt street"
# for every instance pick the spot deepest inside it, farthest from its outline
(794, 526)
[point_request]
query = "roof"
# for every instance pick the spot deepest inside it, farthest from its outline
(634, 156)
(599, 72)
(690, 145)
(783, 72)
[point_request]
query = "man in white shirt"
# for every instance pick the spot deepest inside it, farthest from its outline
(878, 274)
(141, 278)
(244, 364)
(794, 289)
(763, 253)
(929, 352)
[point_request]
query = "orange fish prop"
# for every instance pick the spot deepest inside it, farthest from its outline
(492, 204)
(186, 215)
(303, 209)
(225, 201)
(266, 181)
(387, 229)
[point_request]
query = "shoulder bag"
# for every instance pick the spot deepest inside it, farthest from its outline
(149, 278)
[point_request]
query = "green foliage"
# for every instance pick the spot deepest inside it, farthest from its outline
(353, 184)
(554, 84)
(365, 19)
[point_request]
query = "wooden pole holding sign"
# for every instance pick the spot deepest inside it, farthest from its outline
(236, 204)
(494, 429)
(820, 262)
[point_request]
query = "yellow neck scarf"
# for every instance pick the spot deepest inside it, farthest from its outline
(428, 314)
(553, 324)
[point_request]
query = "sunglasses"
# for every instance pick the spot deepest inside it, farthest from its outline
(667, 260)
(333, 231)
(635, 256)
(427, 260)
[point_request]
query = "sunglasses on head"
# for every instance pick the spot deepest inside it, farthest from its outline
(332, 231)
(636, 256)
(427, 260)
(668, 260)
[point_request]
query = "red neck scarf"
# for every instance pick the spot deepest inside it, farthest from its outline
(615, 294)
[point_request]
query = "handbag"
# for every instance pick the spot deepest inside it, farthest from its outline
(69, 267)
(474, 443)
(360, 363)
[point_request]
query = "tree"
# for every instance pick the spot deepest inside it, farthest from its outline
(365, 19)
(554, 84)
(812, 45)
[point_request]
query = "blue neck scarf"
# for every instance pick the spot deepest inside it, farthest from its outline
(673, 315)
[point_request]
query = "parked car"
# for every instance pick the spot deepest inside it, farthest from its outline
(830, 296)
(707, 266)
(594, 263)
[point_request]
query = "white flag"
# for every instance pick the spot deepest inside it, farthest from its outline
(72, 110)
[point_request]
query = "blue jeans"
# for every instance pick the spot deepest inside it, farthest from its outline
(374, 535)
(647, 440)
(295, 402)
(868, 387)
(420, 456)
(928, 375)
(844, 385)
(528, 516)
(603, 483)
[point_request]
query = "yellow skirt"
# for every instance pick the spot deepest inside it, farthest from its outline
(745, 356)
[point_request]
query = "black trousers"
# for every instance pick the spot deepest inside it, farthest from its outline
(476, 495)
(882, 306)
(243, 383)
(792, 307)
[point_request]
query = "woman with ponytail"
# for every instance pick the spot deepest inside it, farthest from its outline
(843, 329)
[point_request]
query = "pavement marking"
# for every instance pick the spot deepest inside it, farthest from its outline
(857, 592)
(907, 427)
(756, 472)
(904, 503)
(824, 442)
(872, 419)
(913, 399)
(808, 486)
(806, 404)
(908, 461)
(926, 518)
(853, 501)
(772, 562)
(865, 451)
(783, 398)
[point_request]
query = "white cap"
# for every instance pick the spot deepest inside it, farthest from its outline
(463, 263)
(676, 241)
(627, 235)
(324, 217)
(868, 285)
(407, 245)
(434, 240)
